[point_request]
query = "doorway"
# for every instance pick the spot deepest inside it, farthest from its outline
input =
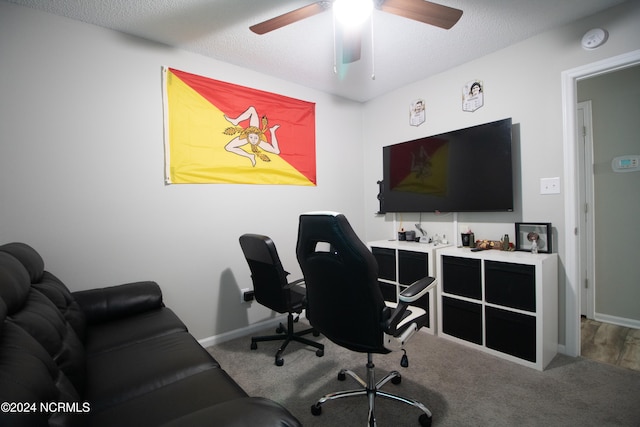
(610, 200)
(575, 261)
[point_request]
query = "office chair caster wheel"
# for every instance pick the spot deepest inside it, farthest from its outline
(280, 329)
(396, 380)
(279, 361)
(316, 409)
(319, 353)
(316, 333)
(425, 420)
(254, 345)
(342, 376)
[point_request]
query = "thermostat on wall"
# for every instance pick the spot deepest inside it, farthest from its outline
(626, 163)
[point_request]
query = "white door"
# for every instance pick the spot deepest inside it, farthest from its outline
(586, 230)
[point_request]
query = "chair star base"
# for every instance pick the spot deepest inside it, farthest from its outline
(286, 334)
(371, 389)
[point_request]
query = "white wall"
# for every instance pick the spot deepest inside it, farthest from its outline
(81, 170)
(522, 81)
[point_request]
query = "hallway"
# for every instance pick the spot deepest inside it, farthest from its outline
(612, 344)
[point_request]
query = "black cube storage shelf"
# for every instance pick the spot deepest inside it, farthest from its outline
(402, 263)
(504, 303)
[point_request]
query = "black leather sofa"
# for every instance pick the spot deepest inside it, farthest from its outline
(107, 357)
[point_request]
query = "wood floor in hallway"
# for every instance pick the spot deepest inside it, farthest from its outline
(612, 344)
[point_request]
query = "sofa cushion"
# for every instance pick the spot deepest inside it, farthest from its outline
(29, 375)
(126, 372)
(175, 400)
(28, 257)
(61, 297)
(47, 283)
(42, 320)
(257, 411)
(14, 283)
(38, 316)
(133, 329)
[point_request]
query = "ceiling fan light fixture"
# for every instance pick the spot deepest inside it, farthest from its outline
(352, 13)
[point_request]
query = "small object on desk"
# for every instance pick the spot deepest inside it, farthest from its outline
(476, 249)
(468, 239)
(533, 238)
(505, 242)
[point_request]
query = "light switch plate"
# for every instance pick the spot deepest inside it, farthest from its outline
(550, 185)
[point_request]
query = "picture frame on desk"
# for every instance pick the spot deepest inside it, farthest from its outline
(526, 232)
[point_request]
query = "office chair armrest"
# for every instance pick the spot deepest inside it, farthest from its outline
(393, 317)
(417, 289)
(295, 283)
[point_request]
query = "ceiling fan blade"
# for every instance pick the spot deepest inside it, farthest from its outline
(423, 11)
(290, 17)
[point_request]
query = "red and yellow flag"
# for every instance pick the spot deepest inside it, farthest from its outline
(217, 132)
(420, 166)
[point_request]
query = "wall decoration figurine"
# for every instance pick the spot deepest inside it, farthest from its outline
(417, 114)
(472, 95)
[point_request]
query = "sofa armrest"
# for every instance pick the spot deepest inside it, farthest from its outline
(115, 302)
(242, 412)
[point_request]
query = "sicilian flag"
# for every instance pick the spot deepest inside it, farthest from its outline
(217, 132)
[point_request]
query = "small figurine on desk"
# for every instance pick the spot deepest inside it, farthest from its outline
(505, 243)
(533, 238)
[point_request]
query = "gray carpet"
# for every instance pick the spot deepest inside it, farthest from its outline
(461, 386)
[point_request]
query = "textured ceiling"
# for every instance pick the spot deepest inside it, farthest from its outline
(400, 51)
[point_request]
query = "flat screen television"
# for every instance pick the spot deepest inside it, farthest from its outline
(465, 170)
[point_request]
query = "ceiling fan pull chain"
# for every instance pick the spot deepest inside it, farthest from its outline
(373, 52)
(335, 53)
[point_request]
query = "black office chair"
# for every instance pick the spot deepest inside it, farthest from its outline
(345, 304)
(272, 290)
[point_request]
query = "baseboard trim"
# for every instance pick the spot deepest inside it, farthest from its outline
(620, 321)
(562, 349)
(236, 333)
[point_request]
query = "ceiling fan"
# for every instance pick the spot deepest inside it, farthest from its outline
(418, 10)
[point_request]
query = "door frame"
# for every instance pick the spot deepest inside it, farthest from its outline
(572, 193)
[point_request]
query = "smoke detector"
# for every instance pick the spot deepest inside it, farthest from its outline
(594, 38)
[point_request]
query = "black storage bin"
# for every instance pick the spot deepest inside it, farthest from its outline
(386, 262)
(411, 266)
(461, 276)
(511, 333)
(510, 285)
(388, 291)
(462, 319)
